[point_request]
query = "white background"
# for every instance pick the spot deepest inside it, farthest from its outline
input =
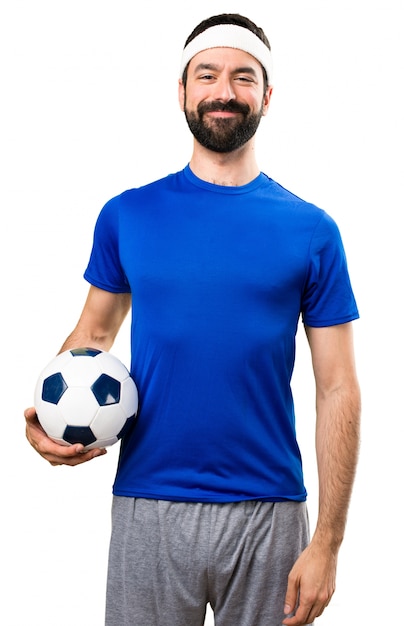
(88, 109)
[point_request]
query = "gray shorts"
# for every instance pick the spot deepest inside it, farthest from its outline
(169, 559)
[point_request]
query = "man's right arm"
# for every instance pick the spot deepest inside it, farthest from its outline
(98, 325)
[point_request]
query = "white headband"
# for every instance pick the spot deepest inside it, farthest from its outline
(229, 36)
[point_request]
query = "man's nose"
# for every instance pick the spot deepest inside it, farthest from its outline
(223, 90)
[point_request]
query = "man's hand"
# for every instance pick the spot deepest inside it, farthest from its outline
(51, 451)
(311, 584)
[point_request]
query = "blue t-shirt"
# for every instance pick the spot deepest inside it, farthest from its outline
(219, 278)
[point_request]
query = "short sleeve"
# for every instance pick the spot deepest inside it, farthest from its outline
(328, 297)
(104, 269)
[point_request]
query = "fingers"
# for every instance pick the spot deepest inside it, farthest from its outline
(311, 584)
(74, 458)
(53, 452)
(30, 414)
(307, 607)
(305, 614)
(290, 601)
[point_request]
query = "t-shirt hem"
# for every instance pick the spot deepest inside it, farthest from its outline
(111, 288)
(208, 498)
(333, 322)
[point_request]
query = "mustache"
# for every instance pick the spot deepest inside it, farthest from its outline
(232, 106)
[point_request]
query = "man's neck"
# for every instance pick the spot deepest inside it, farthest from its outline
(231, 169)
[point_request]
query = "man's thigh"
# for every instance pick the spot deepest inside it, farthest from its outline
(254, 551)
(156, 572)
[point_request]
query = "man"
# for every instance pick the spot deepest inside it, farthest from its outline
(218, 263)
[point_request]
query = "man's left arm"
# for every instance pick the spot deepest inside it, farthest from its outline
(311, 581)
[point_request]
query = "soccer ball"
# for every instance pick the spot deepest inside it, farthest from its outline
(86, 396)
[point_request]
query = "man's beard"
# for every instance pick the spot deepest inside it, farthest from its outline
(223, 134)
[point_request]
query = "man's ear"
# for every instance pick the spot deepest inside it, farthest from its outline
(267, 98)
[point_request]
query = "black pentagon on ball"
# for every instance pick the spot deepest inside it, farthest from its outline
(130, 422)
(85, 352)
(79, 434)
(107, 390)
(53, 388)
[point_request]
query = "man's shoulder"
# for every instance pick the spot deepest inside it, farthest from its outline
(165, 183)
(144, 193)
(289, 205)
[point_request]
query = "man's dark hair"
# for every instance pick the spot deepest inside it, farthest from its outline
(228, 18)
